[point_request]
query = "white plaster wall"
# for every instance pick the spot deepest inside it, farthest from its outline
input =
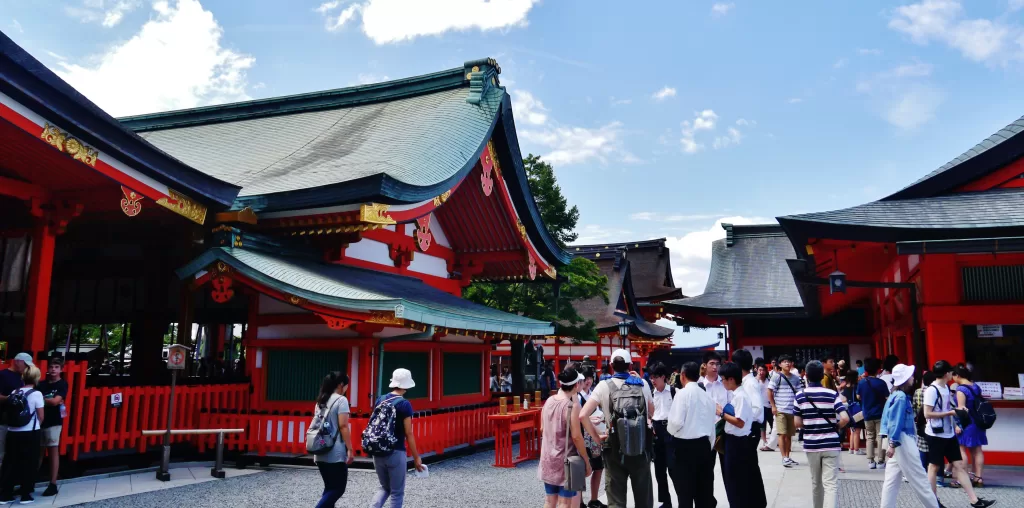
(270, 305)
(1005, 435)
(859, 352)
(756, 351)
(435, 230)
(429, 265)
(314, 331)
(369, 250)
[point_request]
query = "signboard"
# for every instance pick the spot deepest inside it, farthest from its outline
(990, 331)
(1012, 393)
(990, 390)
(176, 355)
(115, 400)
(1020, 380)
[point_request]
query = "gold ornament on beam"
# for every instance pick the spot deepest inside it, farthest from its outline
(375, 213)
(184, 206)
(385, 318)
(64, 142)
(522, 229)
(440, 200)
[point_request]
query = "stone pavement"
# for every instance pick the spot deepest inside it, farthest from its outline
(472, 481)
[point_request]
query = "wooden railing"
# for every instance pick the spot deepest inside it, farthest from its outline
(94, 425)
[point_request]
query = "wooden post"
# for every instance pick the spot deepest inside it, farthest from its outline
(37, 307)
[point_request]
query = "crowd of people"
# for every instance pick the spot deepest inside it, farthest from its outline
(677, 425)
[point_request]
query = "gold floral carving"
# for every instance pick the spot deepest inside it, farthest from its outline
(184, 206)
(494, 157)
(222, 267)
(385, 318)
(64, 142)
(294, 300)
(522, 228)
(375, 213)
(440, 200)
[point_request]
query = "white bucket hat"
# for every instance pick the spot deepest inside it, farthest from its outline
(402, 378)
(901, 374)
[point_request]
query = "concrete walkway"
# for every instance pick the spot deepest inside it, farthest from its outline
(90, 489)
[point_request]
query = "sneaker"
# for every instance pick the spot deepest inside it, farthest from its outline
(6, 498)
(51, 490)
(28, 499)
(792, 462)
(596, 504)
(905, 480)
(982, 503)
(786, 463)
(881, 465)
(861, 452)
(872, 465)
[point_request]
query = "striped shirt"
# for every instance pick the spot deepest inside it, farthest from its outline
(819, 434)
(783, 392)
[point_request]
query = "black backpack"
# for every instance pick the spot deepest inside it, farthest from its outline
(983, 413)
(17, 412)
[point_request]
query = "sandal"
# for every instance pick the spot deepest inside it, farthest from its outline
(766, 449)
(977, 482)
(953, 484)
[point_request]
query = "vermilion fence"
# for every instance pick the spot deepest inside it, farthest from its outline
(94, 425)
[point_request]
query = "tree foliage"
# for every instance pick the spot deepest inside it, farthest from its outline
(580, 280)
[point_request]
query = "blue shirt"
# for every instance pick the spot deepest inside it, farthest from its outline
(403, 410)
(9, 381)
(898, 419)
(872, 393)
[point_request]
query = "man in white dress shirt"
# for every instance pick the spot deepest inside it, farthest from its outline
(743, 480)
(662, 394)
(713, 385)
(691, 421)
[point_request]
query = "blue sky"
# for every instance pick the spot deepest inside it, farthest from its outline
(662, 117)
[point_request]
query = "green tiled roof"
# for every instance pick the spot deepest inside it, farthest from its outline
(356, 289)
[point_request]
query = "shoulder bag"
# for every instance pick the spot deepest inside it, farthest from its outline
(575, 467)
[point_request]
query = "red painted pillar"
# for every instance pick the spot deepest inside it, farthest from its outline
(37, 307)
(945, 341)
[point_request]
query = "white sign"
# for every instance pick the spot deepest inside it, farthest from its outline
(400, 312)
(115, 400)
(990, 390)
(1020, 380)
(1012, 393)
(990, 331)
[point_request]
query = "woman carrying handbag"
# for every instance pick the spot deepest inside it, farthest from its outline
(563, 468)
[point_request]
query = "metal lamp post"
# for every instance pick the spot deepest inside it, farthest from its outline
(623, 331)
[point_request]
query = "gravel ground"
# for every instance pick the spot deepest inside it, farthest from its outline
(866, 494)
(468, 481)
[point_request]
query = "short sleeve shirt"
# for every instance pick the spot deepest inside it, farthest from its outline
(337, 405)
(58, 388)
(932, 396)
(403, 410)
(741, 409)
(819, 409)
(35, 401)
(603, 394)
(784, 393)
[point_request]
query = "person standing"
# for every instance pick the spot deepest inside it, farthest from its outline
(593, 448)
(506, 380)
(887, 365)
(898, 424)
(821, 414)
(691, 421)
(973, 437)
(561, 438)
(663, 395)
(762, 384)
(849, 394)
(751, 388)
(860, 368)
(740, 472)
(781, 392)
(872, 392)
(920, 421)
(22, 453)
(942, 429)
(619, 468)
(391, 467)
(712, 383)
(830, 380)
(10, 380)
(333, 409)
(54, 390)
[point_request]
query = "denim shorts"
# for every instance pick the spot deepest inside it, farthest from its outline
(560, 490)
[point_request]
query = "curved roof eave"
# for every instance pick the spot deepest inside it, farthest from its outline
(34, 85)
(519, 188)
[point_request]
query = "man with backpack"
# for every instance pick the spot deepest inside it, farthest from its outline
(386, 436)
(10, 380)
(23, 414)
(872, 393)
(663, 395)
(628, 405)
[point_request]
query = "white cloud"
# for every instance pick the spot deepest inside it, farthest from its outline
(869, 51)
(390, 21)
(705, 120)
(732, 138)
(656, 216)
(17, 26)
(528, 109)
(664, 93)
(370, 78)
(175, 61)
(980, 40)
(691, 253)
(794, 100)
(593, 233)
(721, 9)
(619, 102)
(108, 13)
(55, 55)
(745, 122)
(839, 63)
(1016, 5)
(903, 95)
(567, 144)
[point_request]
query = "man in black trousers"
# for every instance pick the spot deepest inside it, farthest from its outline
(691, 422)
(662, 395)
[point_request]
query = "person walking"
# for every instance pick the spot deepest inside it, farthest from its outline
(872, 392)
(973, 437)
(332, 409)
(562, 437)
(740, 471)
(391, 467)
(23, 437)
(762, 384)
(849, 395)
(54, 390)
(781, 393)
(691, 421)
(942, 429)
(898, 424)
(663, 395)
(623, 398)
(821, 414)
(927, 378)
(593, 446)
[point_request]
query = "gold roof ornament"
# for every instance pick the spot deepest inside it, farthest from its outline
(375, 213)
(184, 206)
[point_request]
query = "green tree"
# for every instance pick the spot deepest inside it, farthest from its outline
(580, 280)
